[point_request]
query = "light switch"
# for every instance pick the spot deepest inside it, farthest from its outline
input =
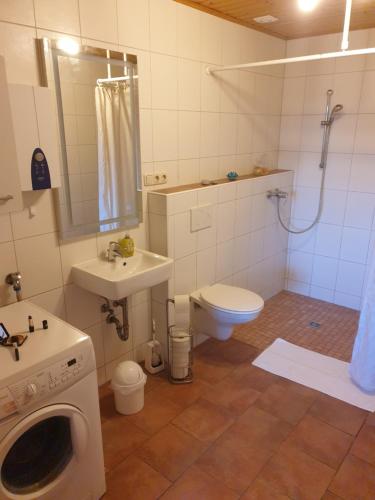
(201, 217)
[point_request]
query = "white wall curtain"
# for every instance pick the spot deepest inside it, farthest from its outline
(116, 167)
(362, 367)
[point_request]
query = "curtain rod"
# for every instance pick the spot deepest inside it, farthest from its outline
(288, 60)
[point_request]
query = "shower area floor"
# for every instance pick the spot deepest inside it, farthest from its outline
(316, 325)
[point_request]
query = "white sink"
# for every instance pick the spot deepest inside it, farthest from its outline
(123, 277)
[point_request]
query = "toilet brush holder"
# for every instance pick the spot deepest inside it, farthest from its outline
(180, 351)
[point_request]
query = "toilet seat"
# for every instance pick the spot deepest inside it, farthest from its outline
(231, 299)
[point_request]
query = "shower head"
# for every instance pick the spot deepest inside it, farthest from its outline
(335, 109)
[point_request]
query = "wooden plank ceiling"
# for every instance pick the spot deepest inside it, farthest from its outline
(327, 17)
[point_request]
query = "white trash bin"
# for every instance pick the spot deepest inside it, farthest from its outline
(128, 384)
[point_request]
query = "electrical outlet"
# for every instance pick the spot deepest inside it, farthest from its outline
(155, 179)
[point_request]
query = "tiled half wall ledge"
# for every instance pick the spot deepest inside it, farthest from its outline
(244, 246)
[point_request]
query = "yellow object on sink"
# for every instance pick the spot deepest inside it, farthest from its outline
(127, 246)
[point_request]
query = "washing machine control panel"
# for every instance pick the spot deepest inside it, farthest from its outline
(48, 380)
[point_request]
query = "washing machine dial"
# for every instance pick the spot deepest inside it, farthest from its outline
(31, 390)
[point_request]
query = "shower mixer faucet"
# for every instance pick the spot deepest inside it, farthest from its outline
(277, 193)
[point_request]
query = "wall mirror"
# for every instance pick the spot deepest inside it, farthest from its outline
(98, 114)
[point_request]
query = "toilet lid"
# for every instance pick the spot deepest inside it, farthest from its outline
(232, 298)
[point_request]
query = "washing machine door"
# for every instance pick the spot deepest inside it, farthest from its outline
(38, 455)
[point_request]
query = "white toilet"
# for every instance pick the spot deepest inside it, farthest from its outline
(216, 309)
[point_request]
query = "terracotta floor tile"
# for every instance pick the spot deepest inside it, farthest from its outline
(287, 400)
(258, 429)
(171, 451)
(320, 440)
(194, 484)
(235, 395)
(330, 496)
(155, 381)
(355, 480)
(133, 479)
(211, 371)
(254, 377)
(364, 445)
(120, 438)
(204, 420)
(232, 352)
(235, 464)
(339, 414)
(156, 413)
(261, 490)
(297, 475)
(183, 394)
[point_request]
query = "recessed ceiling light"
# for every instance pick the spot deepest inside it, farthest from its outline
(265, 19)
(307, 5)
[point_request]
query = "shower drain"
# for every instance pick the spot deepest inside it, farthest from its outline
(314, 324)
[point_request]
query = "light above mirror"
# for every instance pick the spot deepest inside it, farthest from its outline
(68, 45)
(307, 5)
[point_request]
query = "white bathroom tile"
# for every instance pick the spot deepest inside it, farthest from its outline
(334, 207)
(244, 134)
(306, 201)
(188, 171)
(58, 16)
(290, 133)
(17, 45)
(20, 12)
(210, 90)
(228, 134)
(8, 264)
(165, 135)
(256, 253)
(293, 96)
(298, 287)
(226, 216)
(82, 308)
(208, 195)
(101, 336)
(295, 48)
(312, 134)
(209, 142)
(350, 278)
(359, 39)
(181, 202)
(189, 85)
(206, 263)
(348, 88)
(188, 134)
(360, 210)
(338, 171)
(309, 174)
(134, 23)
(224, 259)
(364, 139)
(317, 45)
(258, 212)
(188, 32)
(342, 135)
(226, 192)
(163, 26)
(300, 266)
(324, 272)
(362, 176)
(346, 300)
(211, 38)
(164, 81)
(141, 323)
(5, 228)
(316, 93)
(185, 242)
(37, 217)
(242, 251)
(145, 125)
(317, 292)
(99, 20)
(209, 168)
(328, 240)
(229, 97)
(355, 244)
(243, 218)
(74, 252)
(52, 301)
(185, 271)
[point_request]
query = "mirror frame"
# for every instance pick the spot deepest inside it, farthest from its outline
(48, 51)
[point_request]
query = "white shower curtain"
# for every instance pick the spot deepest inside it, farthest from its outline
(116, 169)
(362, 366)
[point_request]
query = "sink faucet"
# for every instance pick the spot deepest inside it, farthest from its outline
(113, 251)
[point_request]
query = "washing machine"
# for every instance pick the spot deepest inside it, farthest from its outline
(50, 433)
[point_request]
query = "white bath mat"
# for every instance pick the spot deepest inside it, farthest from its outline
(314, 370)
